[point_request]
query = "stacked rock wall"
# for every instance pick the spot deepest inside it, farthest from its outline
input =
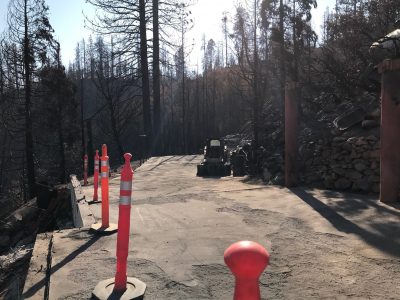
(344, 164)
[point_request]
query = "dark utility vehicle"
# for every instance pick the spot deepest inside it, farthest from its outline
(215, 162)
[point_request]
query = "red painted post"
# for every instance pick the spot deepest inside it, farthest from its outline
(247, 260)
(291, 133)
(390, 128)
(85, 169)
(104, 188)
(96, 176)
(124, 223)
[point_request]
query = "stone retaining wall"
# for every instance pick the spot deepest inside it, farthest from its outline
(344, 163)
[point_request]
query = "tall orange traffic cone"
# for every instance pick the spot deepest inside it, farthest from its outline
(124, 223)
(104, 226)
(104, 187)
(122, 287)
(95, 179)
(85, 169)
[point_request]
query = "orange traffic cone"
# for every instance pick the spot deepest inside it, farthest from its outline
(95, 179)
(85, 169)
(104, 226)
(122, 287)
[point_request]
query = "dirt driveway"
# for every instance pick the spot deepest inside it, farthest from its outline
(323, 245)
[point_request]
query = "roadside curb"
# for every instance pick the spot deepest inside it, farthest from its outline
(38, 277)
(81, 213)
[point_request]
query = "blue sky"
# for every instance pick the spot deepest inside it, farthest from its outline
(68, 22)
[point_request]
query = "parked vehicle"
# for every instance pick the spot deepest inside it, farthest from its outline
(215, 162)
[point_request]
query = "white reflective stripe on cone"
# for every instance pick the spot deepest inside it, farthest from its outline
(125, 200)
(104, 174)
(126, 185)
(104, 163)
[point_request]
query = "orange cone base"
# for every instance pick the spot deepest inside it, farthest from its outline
(112, 228)
(135, 289)
(94, 202)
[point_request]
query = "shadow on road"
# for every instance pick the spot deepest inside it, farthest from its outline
(355, 203)
(44, 282)
(385, 240)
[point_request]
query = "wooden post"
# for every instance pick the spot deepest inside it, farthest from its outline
(390, 129)
(292, 96)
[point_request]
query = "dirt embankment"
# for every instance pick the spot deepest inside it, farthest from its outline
(51, 210)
